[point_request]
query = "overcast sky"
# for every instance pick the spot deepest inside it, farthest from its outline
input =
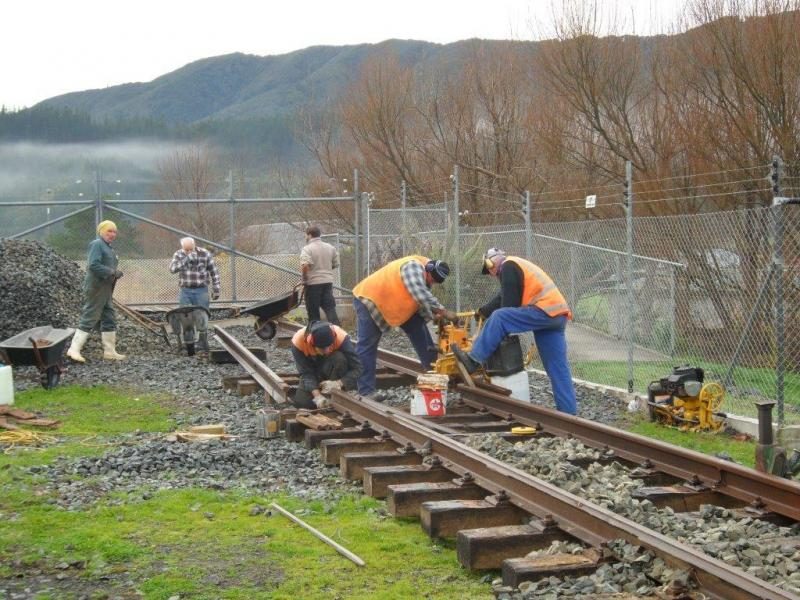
(57, 46)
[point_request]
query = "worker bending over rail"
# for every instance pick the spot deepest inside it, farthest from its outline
(528, 301)
(398, 295)
(326, 360)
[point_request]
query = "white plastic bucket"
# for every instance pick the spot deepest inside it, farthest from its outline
(430, 397)
(6, 385)
(517, 383)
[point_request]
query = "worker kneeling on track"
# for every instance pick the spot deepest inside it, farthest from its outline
(326, 360)
(528, 301)
(398, 295)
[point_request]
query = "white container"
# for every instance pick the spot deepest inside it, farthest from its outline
(430, 397)
(517, 383)
(6, 385)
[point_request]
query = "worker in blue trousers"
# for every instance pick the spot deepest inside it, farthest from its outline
(528, 301)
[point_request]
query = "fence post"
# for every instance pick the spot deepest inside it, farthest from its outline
(456, 249)
(232, 223)
(777, 261)
(629, 251)
(357, 228)
(672, 308)
(403, 214)
(365, 203)
(98, 188)
(528, 227)
(573, 277)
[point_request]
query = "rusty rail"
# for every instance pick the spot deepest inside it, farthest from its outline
(776, 494)
(273, 385)
(590, 523)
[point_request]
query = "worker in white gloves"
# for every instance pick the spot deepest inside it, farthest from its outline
(326, 360)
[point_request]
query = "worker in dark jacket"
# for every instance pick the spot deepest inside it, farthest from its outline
(326, 360)
(98, 286)
(528, 301)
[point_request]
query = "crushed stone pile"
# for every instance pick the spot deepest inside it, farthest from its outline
(39, 287)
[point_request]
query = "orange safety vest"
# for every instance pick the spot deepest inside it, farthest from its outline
(385, 288)
(300, 341)
(539, 290)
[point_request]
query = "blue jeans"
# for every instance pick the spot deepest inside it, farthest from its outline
(193, 296)
(369, 336)
(551, 342)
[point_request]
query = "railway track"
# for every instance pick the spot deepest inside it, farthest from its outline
(498, 513)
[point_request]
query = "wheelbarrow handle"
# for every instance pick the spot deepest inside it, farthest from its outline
(302, 287)
(37, 354)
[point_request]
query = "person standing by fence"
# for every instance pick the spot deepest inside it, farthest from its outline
(196, 269)
(318, 259)
(98, 287)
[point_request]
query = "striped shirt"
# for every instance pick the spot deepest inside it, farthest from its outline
(195, 269)
(413, 276)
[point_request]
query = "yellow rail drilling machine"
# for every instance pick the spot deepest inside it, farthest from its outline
(683, 400)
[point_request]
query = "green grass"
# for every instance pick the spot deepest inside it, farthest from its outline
(743, 452)
(168, 546)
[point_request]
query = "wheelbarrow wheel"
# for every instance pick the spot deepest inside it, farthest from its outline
(50, 377)
(266, 330)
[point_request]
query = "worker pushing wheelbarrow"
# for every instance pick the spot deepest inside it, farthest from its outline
(267, 312)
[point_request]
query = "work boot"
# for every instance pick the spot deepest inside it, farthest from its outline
(109, 346)
(470, 364)
(203, 343)
(78, 340)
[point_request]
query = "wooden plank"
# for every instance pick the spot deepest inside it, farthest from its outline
(517, 570)
(378, 479)
(405, 499)
(314, 438)
(318, 422)
(445, 518)
(352, 464)
(332, 450)
(488, 547)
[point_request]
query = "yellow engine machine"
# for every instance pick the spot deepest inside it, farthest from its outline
(459, 334)
(683, 400)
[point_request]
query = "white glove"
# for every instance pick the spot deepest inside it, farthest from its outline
(326, 387)
(321, 402)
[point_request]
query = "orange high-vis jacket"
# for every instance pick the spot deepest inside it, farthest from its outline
(539, 290)
(300, 341)
(385, 288)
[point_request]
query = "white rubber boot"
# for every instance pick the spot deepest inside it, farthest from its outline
(78, 340)
(110, 346)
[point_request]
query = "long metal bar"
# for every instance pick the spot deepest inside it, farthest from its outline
(609, 250)
(266, 377)
(47, 203)
(226, 200)
(591, 523)
(50, 222)
(780, 495)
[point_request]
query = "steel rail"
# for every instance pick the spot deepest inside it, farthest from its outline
(779, 495)
(266, 377)
(591, 523)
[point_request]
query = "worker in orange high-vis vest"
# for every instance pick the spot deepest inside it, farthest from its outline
(528, 301)
(398, 295)
(326, 360)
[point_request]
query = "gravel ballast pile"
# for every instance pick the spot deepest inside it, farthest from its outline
(39, 287)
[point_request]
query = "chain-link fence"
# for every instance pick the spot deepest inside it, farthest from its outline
(717, 290)
(699, 289)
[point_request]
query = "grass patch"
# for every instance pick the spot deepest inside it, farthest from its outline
(204, 544)
(743, 452)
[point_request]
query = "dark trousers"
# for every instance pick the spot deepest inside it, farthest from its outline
(320, 295)
(329, 368)
(369, 336)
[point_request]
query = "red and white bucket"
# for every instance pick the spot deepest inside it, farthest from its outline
(430, 397)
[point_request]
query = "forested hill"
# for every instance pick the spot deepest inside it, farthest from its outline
(242, 86)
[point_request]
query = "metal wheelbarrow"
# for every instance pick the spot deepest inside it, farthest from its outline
(190, 326)
(41, 347)
(268, 311)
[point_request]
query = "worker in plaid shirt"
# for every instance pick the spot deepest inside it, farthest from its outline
(398, 295)
(195, 267)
